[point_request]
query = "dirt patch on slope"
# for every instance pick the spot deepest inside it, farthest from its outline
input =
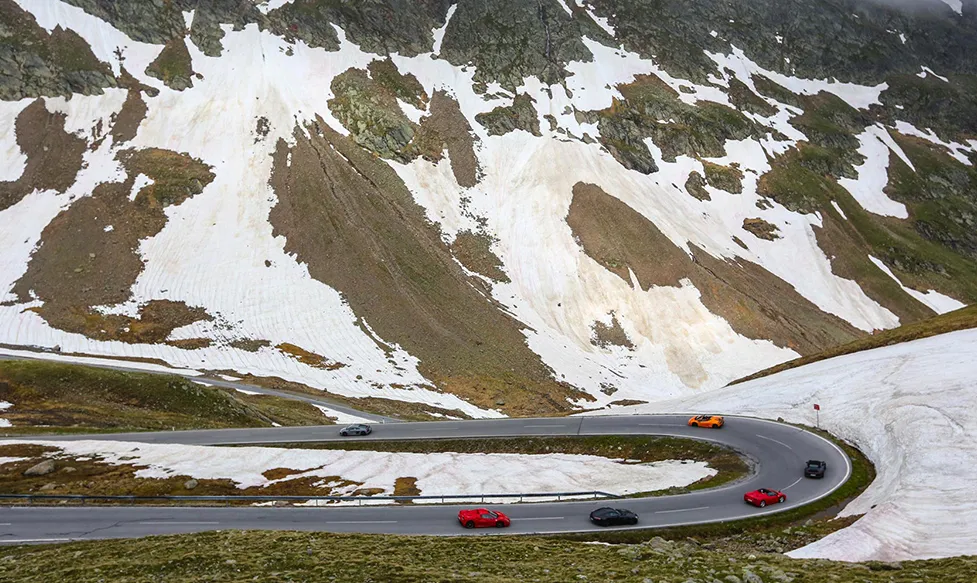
(756, 303)
(761, 228)
(54, 156)
(474, 251)
(310, 358)
(88, 254)
(353, 221)
(612, 335)
(133, 112)
(448, 128)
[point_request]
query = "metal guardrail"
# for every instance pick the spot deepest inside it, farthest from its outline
(83, 498)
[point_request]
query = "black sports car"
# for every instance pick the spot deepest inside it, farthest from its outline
(815, 469)
(357, 429)
(613, 516)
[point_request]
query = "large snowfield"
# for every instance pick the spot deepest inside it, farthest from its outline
(437, 474)
(912, 409)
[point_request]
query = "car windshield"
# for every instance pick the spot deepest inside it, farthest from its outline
(814, 465)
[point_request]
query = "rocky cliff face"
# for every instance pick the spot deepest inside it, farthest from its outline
(483, 206)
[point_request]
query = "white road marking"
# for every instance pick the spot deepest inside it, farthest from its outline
(361, 522)
(792, 485)
(682, 510)
(149, 522)
(33, 540)
(542, 518)
(530, 426)
(659, 425)
(4, 524)
(775, 441)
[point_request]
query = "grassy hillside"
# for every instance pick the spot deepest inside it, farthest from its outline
(961, 319)
(49, 395)
(286, 556)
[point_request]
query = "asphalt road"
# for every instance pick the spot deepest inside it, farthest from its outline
(778, 453)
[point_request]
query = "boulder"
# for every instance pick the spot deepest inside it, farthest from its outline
(190, 484)
(42, 469)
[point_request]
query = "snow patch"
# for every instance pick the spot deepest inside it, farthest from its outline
(436, 473)
(838, 208)
(936, 301)
(341, 417)
(956, 5)
(873, 176)
(858, 96)
(439, 32)
(268, 5)
(138, 184)
(13, 161)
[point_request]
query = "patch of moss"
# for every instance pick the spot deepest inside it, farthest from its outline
(175, 176)
(744, 99)
(173, 65)
(728, 178)
(521, 115)
(405, 87)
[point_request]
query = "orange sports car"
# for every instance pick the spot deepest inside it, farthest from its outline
(714, 421)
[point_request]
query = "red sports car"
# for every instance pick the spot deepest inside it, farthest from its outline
(762, 497)
(482, 517)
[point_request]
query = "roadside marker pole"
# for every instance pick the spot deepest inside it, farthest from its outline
(817, 412)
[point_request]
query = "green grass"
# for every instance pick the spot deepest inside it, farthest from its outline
(232, 556)
(55, 397)
(961, 319)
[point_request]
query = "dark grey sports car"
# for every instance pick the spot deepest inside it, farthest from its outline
(613, 516)
(357, 429)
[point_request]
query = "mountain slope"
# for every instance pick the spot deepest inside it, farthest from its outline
(483, 207)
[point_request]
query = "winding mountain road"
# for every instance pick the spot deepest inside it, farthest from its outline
(777, 451)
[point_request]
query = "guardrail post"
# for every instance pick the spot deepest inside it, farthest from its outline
(557, 497)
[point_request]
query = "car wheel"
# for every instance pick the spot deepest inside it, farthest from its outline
(634, 521)
(470, 524)
(781, 499)
(763, 503)
(499, 524)
(695, 424)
